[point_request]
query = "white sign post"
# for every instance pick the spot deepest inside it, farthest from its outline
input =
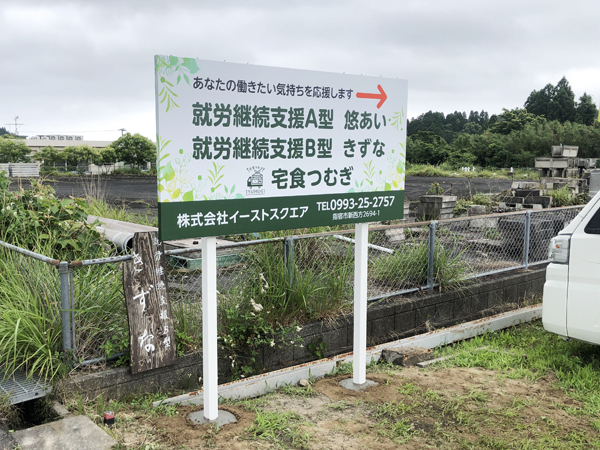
(245, 148)
(359, 366)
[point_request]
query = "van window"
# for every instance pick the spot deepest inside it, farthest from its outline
(593, 226)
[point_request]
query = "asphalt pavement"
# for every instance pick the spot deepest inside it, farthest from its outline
(140, 191)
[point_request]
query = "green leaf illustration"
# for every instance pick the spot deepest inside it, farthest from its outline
(188, 196)
(161, 188)
(168, 172)
(176, 193)
(387, 187)
(190, 64)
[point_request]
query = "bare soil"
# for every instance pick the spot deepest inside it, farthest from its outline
(409, 408)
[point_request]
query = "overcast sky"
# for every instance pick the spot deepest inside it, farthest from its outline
(86, 67)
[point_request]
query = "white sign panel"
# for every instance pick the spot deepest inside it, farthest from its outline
(246, 148)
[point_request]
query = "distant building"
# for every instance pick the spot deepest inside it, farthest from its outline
(60, 141)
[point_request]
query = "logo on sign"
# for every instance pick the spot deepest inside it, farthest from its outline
(255, 181)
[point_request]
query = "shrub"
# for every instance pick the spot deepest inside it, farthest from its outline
(246, 327)
(565, 197)
(34, 217)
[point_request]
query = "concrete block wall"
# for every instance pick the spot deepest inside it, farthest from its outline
(387, 320)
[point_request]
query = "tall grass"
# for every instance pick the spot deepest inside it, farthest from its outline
(407, 266)
(94, 188)
(30, 325)
(314, 284)
(565, 197)
(99, 309)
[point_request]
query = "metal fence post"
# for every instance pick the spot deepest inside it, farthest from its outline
(431, 254)
(288, 258)
(65, 304)
(527, 236)
(72, 313)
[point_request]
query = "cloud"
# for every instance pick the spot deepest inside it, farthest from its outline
(70, 65)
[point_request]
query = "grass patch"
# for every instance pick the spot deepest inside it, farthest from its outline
(280, 428)
(529, 352)
(444, 170)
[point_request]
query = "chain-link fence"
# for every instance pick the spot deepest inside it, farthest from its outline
(310, 275)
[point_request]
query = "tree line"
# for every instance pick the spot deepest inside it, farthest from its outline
(134, 150)
(550, 116)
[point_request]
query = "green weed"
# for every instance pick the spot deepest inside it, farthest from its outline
(278, 427)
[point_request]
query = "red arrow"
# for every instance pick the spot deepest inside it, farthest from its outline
(382, 96)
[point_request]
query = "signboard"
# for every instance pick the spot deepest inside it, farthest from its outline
(151, 330)
(245, 148)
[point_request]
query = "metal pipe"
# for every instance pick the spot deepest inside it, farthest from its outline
(181, 251)
(63, 270)
(91, 262)
(97, 360)
(34, 255)
(288, 258)
(431, 254)
(526, 239)
(373, 246)
(72, 303)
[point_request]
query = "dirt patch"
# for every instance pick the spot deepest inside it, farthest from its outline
(413, 408)
(179, 430)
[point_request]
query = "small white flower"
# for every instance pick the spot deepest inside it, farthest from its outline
(301, 346)
(272, 344)
(298, 329)
(292, 342)
(8, 208)
(252, 314)
(242, 376)
(257, 307)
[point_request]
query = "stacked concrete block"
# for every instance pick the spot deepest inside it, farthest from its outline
(436, 207)
(526, 195)
(563, 167)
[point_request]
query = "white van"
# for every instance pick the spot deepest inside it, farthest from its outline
(571, 305)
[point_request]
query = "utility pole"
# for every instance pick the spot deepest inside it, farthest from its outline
(122, 130)
(16, 125)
